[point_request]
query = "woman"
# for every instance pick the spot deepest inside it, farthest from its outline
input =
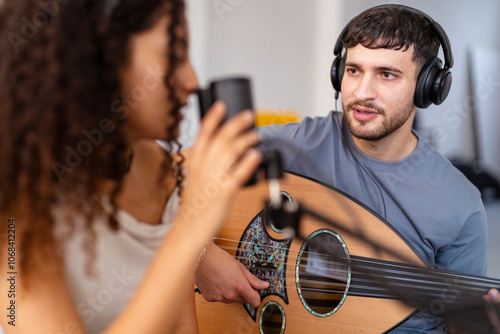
(88, 196)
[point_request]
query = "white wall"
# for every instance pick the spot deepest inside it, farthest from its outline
(280, 44)
(279, 47)
(286, 46)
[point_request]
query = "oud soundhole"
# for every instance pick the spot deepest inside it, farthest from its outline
(322, 273)
(272, 319)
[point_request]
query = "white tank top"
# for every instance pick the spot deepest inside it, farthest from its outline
(121, 259)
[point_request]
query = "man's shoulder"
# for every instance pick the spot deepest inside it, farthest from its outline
(441, 174)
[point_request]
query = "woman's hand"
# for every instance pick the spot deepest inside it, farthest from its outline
(221, 161)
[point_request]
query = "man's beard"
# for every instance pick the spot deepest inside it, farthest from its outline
(388, 126)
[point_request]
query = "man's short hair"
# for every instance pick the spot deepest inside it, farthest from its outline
(393, 28)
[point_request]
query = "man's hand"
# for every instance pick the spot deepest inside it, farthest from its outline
(491, 304)
(222, 278)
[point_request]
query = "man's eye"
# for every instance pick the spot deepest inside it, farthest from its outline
(388, 75)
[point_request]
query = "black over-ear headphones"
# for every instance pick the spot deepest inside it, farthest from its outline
(434, 80)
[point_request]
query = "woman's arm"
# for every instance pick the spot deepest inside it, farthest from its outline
(154, 308)
(217, 150)
(188, 323)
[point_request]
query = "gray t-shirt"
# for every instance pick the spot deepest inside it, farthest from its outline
(424, 197)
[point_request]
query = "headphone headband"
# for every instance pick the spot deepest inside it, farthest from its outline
(436, 27)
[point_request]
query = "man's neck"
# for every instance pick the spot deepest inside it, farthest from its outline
(396, 146)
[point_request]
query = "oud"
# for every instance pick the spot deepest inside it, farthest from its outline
(356, 276)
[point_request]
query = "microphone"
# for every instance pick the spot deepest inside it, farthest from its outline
(236, 93)
(272, 165)
(284, 214)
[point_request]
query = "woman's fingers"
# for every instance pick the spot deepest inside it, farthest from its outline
(235, 135)
(211, 122)
(213, 135)
(239, 123)
(246, 140)
(225, 143)
(233, 148)
(243, 170)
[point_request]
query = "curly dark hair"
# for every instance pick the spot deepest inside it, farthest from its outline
(392, 27)
(61, 112)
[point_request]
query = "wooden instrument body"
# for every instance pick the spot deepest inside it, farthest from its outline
(356, 314)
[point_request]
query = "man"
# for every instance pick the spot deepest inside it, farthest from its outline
(371, 152)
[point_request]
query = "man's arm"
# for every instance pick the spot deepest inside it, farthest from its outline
(221, 278)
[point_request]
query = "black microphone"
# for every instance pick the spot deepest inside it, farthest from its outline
(236, 93)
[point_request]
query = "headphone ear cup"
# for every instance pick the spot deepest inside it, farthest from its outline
(433, 84)
(441, 87)
(337, 72)
(425, 81)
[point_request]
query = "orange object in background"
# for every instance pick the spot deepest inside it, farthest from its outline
(275, 116)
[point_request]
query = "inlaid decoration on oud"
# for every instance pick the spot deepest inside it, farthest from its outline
(265, 257)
